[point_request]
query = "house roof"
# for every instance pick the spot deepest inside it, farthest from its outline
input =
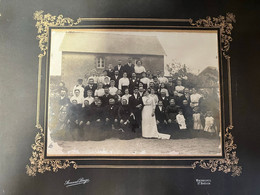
(209, 70)
(111, 43)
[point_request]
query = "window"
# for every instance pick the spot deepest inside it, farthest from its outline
(100, 62)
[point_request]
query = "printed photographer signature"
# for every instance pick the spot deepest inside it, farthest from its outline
(80, 181)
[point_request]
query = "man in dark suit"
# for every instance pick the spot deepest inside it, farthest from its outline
(110, 71)
(91, 86)
(116, 78)
(133, 83)
(129, 68)
(160, 116)
(141, 89)
(136, 105)
(170, 86)
(164, 99)
(186, 96)
(64, 100)
(119, 68)
(105, 98)
(112, 118)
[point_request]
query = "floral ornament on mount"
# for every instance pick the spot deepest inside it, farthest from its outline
(230, 163)
(40, 165)
(224, 23)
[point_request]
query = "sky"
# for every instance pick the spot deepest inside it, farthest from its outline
(196, 49)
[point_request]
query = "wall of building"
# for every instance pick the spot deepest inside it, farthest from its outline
(82, 65)
(75, 66)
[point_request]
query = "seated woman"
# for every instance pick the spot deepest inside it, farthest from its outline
(98, 118)
(85, 119)
(124, 113)
(171, 112)
(74, 118)
(98, 114)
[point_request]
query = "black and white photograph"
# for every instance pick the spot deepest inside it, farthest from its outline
(134, 92)
(129, 97)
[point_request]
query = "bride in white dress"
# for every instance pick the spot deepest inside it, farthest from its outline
(149, 127)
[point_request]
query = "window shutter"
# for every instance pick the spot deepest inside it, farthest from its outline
(96, 62)
(103, 62)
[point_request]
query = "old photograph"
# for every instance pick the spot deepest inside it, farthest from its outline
(134, 92)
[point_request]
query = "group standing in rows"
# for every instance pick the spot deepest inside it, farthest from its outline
(130, 98)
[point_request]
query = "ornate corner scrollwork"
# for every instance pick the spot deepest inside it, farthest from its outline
(227, 165)
(37, 161)
(224, 23)
(44, 21)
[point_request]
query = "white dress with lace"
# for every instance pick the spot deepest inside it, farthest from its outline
(149, 126)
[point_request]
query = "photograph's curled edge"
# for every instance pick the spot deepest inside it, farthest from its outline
(37, 162)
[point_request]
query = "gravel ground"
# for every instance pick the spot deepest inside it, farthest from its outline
(138, 146)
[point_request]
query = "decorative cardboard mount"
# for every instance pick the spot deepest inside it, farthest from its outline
(38, 164)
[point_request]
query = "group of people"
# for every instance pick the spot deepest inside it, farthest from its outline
(129, 99)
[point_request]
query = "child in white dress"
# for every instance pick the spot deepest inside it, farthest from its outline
(209, 123)
(197, 119)
(181, 120)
